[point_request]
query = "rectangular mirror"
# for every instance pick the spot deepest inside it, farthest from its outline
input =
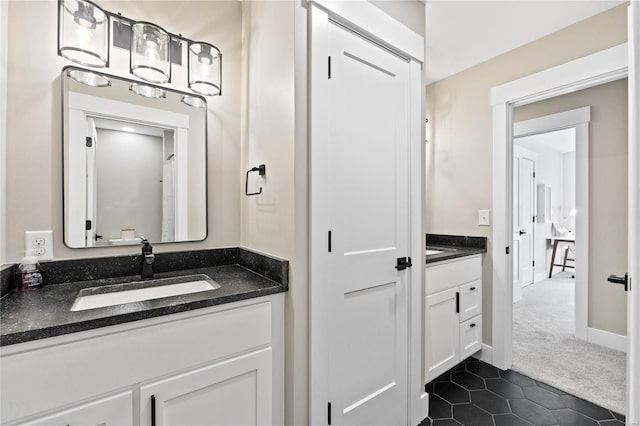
(134, 161)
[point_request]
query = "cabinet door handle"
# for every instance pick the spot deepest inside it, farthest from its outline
(457, 302)
(472, 289)
(153, 410)
(472, 325)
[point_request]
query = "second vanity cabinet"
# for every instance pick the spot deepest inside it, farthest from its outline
(453, 313)
(220, 365)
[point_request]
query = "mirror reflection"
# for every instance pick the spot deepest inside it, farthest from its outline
(134, 162)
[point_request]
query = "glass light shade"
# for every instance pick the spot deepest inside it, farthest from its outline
(205, 69)
(150, 46)
(83, 33)
(89, 78)
(194, 101)
(148, 91)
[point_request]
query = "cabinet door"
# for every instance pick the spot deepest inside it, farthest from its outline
(470, 336)
(116, 410)
(470, 300)
(442, 328)
(232, 392)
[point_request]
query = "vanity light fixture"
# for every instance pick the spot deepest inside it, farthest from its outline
(83, 33)
(193, 101)
(205, 68)
(148, 91)
(89, 78)
(150, 47)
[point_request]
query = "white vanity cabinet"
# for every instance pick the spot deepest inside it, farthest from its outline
(220, 365)
(231, 392)
(453, 313)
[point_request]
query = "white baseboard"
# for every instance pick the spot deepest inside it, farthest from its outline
(607, 339)
(540, 276)
(485, 354)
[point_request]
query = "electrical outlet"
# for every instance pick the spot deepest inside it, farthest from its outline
(41, 242)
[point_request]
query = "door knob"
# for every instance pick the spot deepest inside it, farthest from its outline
(523, 231)
(625, 281)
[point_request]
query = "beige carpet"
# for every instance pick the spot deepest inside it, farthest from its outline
(544, 347)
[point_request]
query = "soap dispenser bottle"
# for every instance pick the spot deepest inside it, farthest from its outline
(28, 275)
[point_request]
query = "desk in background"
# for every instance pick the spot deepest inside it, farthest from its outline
(555, 240)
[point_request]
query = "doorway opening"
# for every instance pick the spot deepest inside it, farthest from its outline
(551, 312)
(566, 166)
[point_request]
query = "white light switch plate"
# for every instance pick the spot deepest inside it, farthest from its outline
(483, 217)
(41, 242)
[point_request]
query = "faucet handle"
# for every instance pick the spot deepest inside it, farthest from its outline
(143, 240)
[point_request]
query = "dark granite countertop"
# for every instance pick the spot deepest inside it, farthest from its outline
(453, 246)
(45, 312)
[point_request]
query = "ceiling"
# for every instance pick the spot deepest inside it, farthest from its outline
(461, 34)
(560, 140)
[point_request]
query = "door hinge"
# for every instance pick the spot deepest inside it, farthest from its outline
(534, 174)
(89, 142)
(533, 263)
(507, 250)
(329, 67)
(87, 225)
(533, 219)
(329, 413)
(329, 241)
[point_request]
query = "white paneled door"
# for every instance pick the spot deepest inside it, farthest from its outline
(368, 206)
(92, 184)
(523, 205)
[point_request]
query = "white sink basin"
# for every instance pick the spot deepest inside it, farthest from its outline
(137, 291)
(428, 252)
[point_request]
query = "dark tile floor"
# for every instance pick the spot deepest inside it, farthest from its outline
(474, 393)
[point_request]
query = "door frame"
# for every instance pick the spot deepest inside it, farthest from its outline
(370, 22)
(589, 71)
(633, 301)
(578, 119)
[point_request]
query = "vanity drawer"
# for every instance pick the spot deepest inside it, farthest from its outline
(443, 275)
(470, 336)
(470, 300)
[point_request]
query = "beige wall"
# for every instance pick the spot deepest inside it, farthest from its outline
(3, 123)
(409, 12)
(268, 137)
(459, 152)
(608, 139)
(34, 184)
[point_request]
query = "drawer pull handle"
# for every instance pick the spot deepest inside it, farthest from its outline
(472, 325)
(472, 289)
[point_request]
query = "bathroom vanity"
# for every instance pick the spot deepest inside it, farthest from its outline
(453, 301)
(213, 357)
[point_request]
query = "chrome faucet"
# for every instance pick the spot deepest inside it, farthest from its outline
(147, 259)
